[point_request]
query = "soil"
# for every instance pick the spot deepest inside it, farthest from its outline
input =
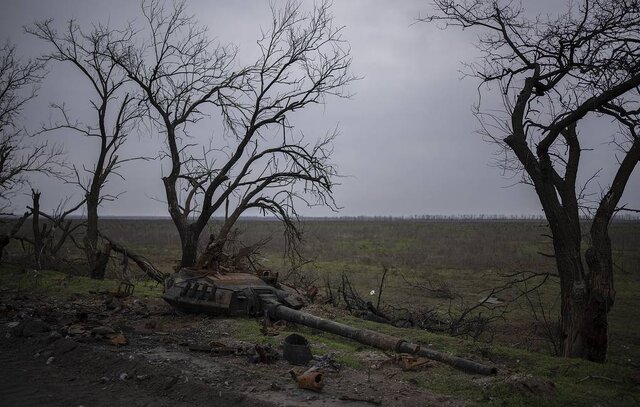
(95, 350)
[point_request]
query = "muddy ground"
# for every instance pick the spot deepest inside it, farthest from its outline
(98, 350)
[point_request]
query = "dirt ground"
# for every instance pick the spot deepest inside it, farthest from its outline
(99, 350)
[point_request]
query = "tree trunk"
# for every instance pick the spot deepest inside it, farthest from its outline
(6, 239)
(38, 244)
(587, 297)
(602, 294)
(97, 259)
(189, 238)
(216, 246)
(98, 262)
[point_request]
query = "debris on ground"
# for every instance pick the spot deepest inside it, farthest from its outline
(326, 363)
(263, 354)
(296, 350)
(169, 360)
(408, 362)
(311, 379)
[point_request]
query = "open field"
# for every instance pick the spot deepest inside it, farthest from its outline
(466, 258)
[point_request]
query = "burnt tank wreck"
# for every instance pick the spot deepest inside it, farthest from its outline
(233, 294)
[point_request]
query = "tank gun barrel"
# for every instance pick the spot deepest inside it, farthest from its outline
(276, 311)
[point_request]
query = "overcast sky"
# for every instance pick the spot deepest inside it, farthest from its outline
(407, 141)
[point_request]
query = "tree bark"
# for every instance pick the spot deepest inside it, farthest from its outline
(586, 295)
(6, 239)
(97, 258)
(189, 237)
(38, 244)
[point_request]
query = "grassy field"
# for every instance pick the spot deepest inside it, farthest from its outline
(467, 258)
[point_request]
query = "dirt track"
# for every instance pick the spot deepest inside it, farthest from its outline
(51, 355)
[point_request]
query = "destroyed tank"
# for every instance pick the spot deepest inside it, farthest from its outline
(201, 290)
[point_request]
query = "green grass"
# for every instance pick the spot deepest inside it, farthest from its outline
(48, 282)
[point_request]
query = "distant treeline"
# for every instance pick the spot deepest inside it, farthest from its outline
(363, 218)
(458, 218)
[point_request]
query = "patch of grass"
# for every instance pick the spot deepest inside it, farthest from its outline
(55, 284)
(248, 329)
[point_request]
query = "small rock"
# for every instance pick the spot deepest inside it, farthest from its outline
(142, 377)
(123, 376)
(50, 360)
(30, 327)
(171, 382)
(53, 336)
(119, 340)
(102, 330)
(76, 329)
(62, 346)
(13, 324)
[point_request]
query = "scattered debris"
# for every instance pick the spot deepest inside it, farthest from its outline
(326, 363)
(295, 350)
(309, 380)
(125, 289)
(119, 340)
(263, 354)
(267, 328)
(408, 362)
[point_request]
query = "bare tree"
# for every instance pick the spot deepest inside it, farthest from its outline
(552, 73)
(259, 163)
(50, 236)
(116, 115)
(19, 82)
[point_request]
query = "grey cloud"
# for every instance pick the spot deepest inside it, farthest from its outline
(408, 143)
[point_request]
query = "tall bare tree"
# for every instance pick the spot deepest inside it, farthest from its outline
(259, 163)
(116, 115)
(553, 73)
(19, 156)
